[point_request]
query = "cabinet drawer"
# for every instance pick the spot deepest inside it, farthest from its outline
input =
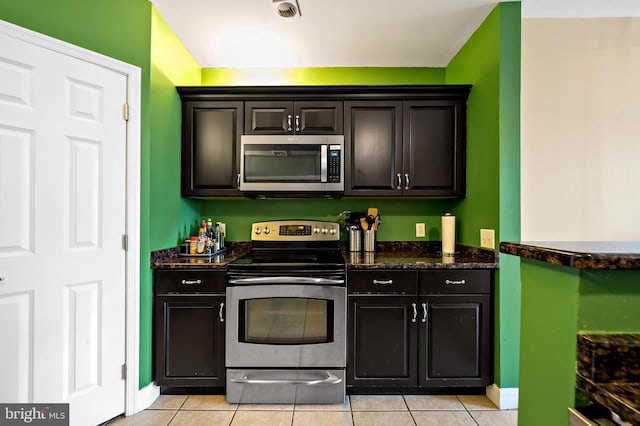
(191, 281)
(382, 282)
(455, 281)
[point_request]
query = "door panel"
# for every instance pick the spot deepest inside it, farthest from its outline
(381, 339)
(373, 145)
(62, 218)
(454, 341)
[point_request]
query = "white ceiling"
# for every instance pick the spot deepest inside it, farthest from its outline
(330, 33)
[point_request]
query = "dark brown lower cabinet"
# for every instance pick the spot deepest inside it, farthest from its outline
(382, 343)
(410, 342)
(454, 343)
(189, 333)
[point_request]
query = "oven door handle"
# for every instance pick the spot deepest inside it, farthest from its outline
(329, 380)
(286, 280)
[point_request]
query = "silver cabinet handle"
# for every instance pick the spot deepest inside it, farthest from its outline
(220, 312)
(238, 181)
(289, 122)
(424, 310)
(286, 280)
(455, 282)
(406, 181)
(191, 282)
(329, 380)
(399, 176)
(297, 123)
(415, 312)
(383, 282)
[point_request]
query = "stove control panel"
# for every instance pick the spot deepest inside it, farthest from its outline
(295, 230)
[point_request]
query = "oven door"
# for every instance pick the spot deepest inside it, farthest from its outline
(286, 325)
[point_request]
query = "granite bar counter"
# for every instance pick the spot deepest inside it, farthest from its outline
(594, 255)
(569, 289)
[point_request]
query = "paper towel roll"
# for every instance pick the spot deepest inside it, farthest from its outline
(448, 234)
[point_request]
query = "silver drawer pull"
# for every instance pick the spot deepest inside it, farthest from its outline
(415, 312)
(191, 282)
(383, 282)
(424, 310)
(220, 312)
(455, 282)
(330, 379)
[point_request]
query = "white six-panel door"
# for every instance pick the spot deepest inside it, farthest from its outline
(62, 220)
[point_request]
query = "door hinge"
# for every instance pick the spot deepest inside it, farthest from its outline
(125, 242)
(125, 112)
(124, 371)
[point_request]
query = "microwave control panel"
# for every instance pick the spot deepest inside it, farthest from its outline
(333, 173)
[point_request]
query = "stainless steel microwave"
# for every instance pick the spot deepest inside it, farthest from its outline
(292, 166)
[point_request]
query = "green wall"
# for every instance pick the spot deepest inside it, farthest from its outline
(490, 60)
(168, 214)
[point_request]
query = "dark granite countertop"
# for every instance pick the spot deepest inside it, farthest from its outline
(608, 371)
(420, 255)
(388, 255)
(621, 398)
(170, 258)
(596, 255)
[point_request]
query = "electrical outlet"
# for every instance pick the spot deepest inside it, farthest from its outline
(420, 232)
(488, 238)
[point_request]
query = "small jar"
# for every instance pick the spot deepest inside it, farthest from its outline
(193, 245)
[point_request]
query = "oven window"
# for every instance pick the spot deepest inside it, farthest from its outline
(286, 321)
(290, 163)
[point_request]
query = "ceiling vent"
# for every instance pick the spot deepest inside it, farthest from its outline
(287, 8)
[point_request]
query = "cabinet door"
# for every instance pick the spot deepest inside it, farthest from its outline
(454, 343)
(318, 118)
(269, 118)
(434, 148)
(210, 148)
(190, 340)
(373, 145)
(381, 341)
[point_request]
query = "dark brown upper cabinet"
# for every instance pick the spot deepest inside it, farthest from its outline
(211, 133)
(299, 118)
(405, 148)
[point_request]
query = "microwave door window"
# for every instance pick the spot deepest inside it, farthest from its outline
(291, 163)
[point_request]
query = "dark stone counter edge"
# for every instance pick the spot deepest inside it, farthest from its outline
(615, 397)
(593, 261)
(388, 255)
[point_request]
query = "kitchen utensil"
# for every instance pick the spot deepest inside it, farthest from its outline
(364, 223)
(372, 211)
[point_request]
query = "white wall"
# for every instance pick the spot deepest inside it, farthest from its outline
(580, 129)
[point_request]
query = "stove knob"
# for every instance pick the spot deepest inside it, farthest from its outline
(324, 230)
(332, 231)
(258, 231)
(266, 230)
(316, 230)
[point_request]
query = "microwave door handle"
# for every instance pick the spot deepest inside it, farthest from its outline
(323, 163)
(286, 280)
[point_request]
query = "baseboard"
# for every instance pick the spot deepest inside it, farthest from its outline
(143, 399)
(504, 399)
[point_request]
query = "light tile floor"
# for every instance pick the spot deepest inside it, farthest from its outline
(358, 410)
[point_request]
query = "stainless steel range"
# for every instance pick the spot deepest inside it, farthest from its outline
(286, 316)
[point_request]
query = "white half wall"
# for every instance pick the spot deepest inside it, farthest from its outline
(580, 129)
